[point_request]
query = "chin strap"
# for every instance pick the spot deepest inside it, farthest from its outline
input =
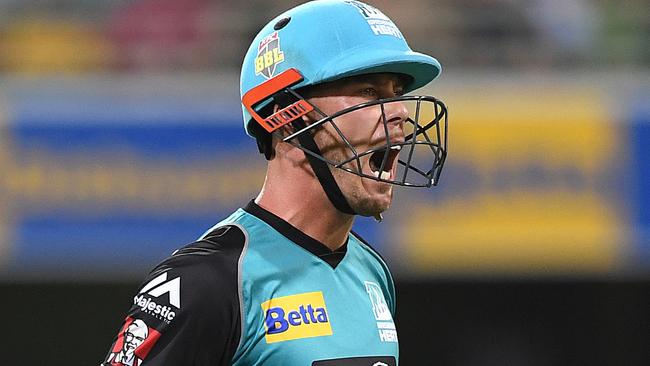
(322, 171)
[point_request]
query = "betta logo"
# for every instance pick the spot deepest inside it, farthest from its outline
(296, 316)
(269, 55)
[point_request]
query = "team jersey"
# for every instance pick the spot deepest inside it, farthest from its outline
(254, 290)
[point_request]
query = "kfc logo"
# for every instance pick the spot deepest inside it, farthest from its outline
(133, 344)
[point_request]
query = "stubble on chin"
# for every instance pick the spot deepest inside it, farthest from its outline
(356, 193)
(360, 200)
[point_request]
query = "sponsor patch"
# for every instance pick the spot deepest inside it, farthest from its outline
(385, 324)
(358, 361)
(162, 312)
(133, 343)
(269, 55)
(296, 316)
(149, 298)
(379, 23)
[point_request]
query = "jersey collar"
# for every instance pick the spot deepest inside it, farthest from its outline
(333, 258)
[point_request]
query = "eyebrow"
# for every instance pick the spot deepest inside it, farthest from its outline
(398, 79)
(377, 79)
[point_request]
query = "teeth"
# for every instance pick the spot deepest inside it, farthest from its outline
(398, 147)
(382, 175)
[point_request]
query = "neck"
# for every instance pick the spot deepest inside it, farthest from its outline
(306, 207)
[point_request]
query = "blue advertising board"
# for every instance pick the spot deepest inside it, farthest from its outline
(97, 187)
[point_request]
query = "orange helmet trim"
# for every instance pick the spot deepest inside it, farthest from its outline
(267, 89)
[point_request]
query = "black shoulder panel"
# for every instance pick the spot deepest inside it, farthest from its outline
(187, 312)
(228, 240)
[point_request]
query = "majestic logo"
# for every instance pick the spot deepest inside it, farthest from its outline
(159, 286)
(269, 55)
(387, 332)
(379, 23)
(156, 288)
(133, 343)
(296, 316)
(150, 307)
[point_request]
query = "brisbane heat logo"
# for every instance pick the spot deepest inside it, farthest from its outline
(379, 23)
(296, 316)
(269, 55)
(385, 324)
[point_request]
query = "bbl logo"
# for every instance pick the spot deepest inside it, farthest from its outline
(269, 55)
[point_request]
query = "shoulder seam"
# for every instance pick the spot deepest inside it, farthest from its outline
(244, 248)
(217, 239)
(240, 289)
(240, 261)
(369, 246)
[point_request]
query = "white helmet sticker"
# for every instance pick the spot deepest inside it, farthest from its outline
(379, 23)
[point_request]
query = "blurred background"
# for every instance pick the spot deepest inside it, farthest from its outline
(121, 140)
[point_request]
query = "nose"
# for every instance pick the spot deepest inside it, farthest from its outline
(396, 114)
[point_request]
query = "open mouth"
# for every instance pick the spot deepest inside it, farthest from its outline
(382, 162)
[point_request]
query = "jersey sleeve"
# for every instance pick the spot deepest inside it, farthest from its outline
(187, 311)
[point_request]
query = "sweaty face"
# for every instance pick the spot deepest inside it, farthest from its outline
(364, 129)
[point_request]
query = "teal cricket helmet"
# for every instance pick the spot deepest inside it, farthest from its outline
(325, 40)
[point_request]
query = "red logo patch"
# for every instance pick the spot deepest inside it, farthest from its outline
(133, 343)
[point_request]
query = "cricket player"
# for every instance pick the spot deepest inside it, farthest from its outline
(284, 280)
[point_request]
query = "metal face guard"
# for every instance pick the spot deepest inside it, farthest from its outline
(420, 156)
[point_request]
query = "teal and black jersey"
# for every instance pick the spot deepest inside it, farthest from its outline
(255, 290)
